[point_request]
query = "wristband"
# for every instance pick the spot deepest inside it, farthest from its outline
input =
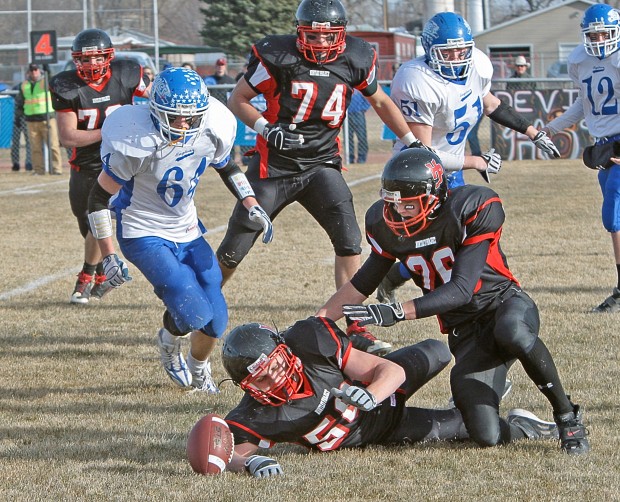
(408, 138)
(259, 125)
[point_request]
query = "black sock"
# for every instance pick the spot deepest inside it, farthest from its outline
(618, 270)
(539, 366)
(89, 269)
(100, 269)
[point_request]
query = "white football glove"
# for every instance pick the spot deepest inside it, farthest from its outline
(544, 143)
(279, 136)
(116, 272)
(258, 215)
(262, 467)
(359, 397)
(494, 164)
(381, 314)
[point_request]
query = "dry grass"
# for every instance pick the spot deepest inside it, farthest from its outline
(88, 414)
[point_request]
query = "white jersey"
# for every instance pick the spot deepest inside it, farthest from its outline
(450, 108)
(598, 81)
(159, 181)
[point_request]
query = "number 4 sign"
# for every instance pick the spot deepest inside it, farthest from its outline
(44, 49)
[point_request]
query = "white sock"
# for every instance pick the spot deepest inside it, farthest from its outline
(194, 365)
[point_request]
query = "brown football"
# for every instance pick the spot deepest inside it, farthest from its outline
(210, 445)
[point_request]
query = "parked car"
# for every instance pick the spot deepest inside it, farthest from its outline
(559, 69)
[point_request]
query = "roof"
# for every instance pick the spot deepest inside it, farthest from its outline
(525, 17)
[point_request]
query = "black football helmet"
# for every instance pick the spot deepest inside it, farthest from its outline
(250, 352)
(92, 43)
(414, 174)
(318, 19)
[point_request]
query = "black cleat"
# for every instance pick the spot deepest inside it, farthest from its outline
(573, 434)
(610, 305)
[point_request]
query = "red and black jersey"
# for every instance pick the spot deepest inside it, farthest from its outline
(93, 103)
(313, 97)
(470, 215)
(320, 421)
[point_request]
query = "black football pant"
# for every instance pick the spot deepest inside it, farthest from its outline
(422, 362)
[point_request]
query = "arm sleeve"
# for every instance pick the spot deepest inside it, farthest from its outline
(98, 198)
(369, 276)
(572, 115)
(235, 180)
(468, 265)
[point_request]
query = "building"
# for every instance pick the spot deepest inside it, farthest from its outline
(545, 37)
(393, 48)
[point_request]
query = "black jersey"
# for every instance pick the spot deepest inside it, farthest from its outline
(313, 97)
(93, 103)
(471, 214)
(320, 422)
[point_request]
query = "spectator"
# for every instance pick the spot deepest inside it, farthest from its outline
(35, 100)
(521, 71)
(220, 77)
(188, 65)
(19, 128)
(357, 127)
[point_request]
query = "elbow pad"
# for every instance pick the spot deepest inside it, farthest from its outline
(235, 180)
(507, 116)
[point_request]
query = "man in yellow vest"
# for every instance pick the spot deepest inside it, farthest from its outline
(35, 98)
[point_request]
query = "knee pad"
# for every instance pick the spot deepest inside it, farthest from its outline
(171, 326)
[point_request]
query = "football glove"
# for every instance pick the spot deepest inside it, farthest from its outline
(418, 144)
(258, 215)
(262, 467)
(381, 314)
(359, 397)
(279, 136)
(116, 272)
(494, 164)
(544, 143)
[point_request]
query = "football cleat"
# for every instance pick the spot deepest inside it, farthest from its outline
(573, 434)
(83, 286)
(101, 287)
(172, 360)
(202, 380)
(532, 426)
(610, 305)
(363, 340)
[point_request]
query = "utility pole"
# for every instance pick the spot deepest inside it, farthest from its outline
(385, 15)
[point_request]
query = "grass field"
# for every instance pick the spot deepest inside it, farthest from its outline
(87, 413)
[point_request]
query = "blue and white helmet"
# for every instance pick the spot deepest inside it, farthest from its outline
(178, 92)
(601, 18)
(445, 31)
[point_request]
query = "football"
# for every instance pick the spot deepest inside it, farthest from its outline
(210, 445)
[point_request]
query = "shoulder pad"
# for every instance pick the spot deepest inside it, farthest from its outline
(128, 71)
(130, 131)
(483, 64)
(278, 50)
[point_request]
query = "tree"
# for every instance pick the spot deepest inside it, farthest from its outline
(234, 25)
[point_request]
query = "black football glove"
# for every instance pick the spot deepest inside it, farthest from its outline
(381, 314)
(279, 135)
(416, 143)
(544, 143)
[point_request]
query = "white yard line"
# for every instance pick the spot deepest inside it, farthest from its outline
(35, 188)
